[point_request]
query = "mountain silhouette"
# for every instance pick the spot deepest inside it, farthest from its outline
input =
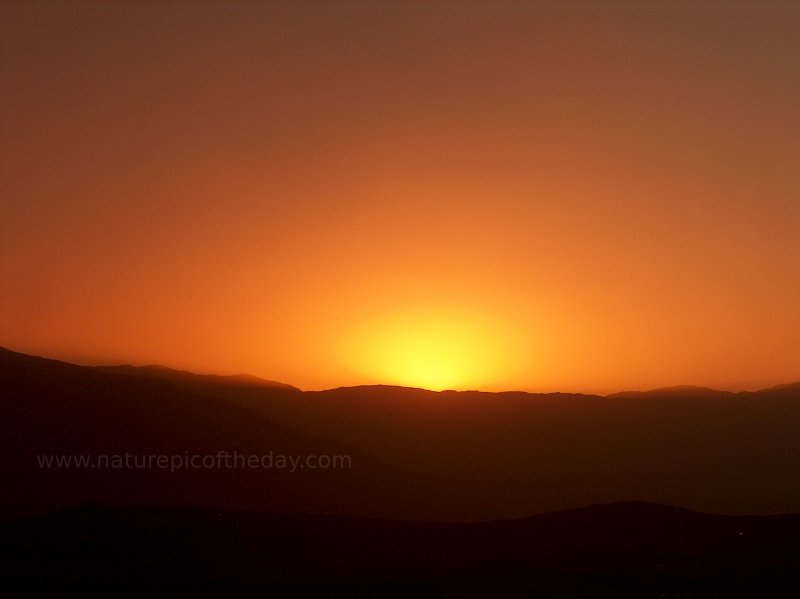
(54, 408)
(501, 455)
(456, 456)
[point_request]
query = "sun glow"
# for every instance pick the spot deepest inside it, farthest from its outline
(435, 349)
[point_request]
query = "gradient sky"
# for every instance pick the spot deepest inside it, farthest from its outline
(576, 196)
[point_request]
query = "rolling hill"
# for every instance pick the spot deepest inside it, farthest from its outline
(613, 550)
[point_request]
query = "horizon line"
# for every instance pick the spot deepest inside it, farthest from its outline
(278, 384)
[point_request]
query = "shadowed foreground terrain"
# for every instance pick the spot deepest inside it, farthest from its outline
(624, 549)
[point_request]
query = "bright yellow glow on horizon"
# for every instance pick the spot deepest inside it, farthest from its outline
(434, 349)
(568, 201)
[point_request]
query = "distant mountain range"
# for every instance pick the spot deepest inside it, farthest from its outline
(456, 456)
(187, 378)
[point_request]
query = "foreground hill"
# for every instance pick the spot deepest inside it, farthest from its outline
(616, 550)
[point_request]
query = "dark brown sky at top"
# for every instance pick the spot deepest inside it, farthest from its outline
(576, 195)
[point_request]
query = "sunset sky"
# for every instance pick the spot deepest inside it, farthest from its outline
(573, 196)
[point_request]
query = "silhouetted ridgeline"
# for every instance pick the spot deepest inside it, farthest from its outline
(616, 550)
(53, 409)
(497, 455)
(415, 453)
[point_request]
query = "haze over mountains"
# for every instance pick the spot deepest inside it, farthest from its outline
(415, 453)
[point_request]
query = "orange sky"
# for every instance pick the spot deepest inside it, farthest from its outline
(589, 196)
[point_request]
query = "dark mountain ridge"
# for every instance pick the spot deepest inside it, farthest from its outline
(421, 454)
(711, 450)
(52, 408)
